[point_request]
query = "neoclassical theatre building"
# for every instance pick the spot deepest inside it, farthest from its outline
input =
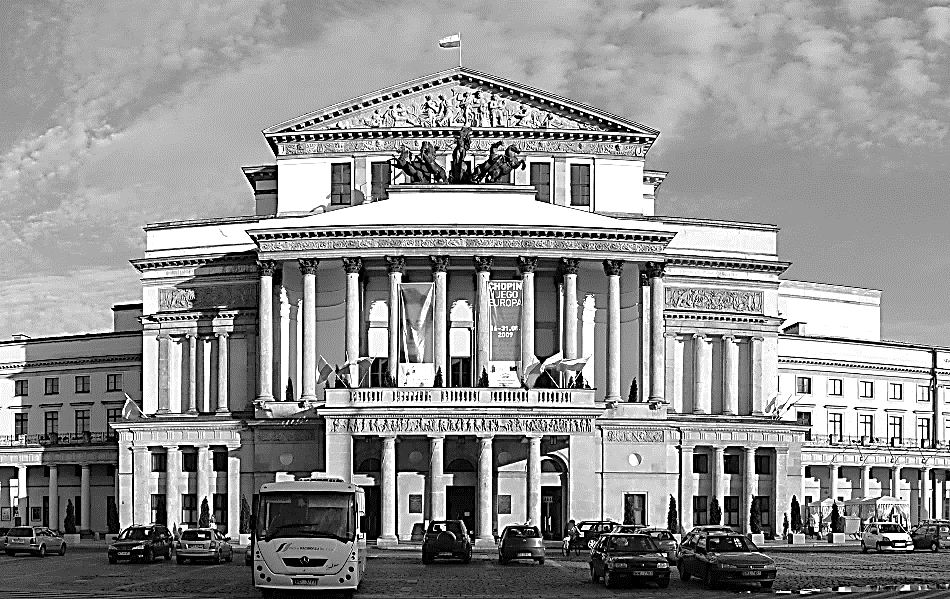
(413, 256)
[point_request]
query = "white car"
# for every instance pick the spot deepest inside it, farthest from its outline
(886, 536)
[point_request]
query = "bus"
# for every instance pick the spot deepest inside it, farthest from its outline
(308, 535)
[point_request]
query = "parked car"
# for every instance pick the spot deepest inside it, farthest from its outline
(694, 533)
(623, 556)
(203, 544)
(664, 539)
(37, 540)
(446, 537)
(520, 542)
(142, 542)
(931, 534)
(719, 557)
(592, 529)
(886, 536)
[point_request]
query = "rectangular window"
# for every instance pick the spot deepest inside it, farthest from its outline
(219, 460)
(803, 418)
(765, 507)
(189, 509)
(220, 507)
(807, 475)
(803, 385)
(21, 388)
(836, 426)
(731, 510)
(730, 464)
(580, 185)
(894, 391)
(895, 427)
(700, 510)
(82, 384)
(835, 387)
(340, 184)
(700, 463)
(159, 461)
(380, 177)
(82, 421)
(634, 508)
(763, 464)
(21, 424)
(923, 429)
(189, 461)
(113, 415)
(378, 372)
(52, 423)
(866, 426)
(158, 509)
(541, 180)
(923, 393)
(113, 382)
(52, 386)
(461, 372)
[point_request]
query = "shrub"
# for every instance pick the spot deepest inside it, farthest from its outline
(715, 511)
(634, 392)
(837, 523)
(796, 515)
(69, 524)
(672, 517)
(483, 379)
(204, 519)
(438, 382)
(755, 516)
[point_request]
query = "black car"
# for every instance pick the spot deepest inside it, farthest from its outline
(446, 537)
(143, 543)
(724, 557)
(618, 557)
(931, 534)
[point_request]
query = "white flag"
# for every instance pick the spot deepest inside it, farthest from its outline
(131, 410)
(572, 365)
(324, 370)
(452, 41)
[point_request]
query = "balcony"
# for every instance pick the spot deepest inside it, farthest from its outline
(60, 439)
(460, 397)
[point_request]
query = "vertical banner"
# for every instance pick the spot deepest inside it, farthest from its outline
(504, 299)
(415, 343)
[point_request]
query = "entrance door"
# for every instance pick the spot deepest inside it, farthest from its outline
(552, 519)
(460, 505)
(374, 511)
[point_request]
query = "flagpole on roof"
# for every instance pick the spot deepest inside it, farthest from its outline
(460, 49)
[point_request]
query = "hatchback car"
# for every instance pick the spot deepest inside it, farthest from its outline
(622, 556)
(520, 542)
(592, 529)
(141, 542)
(664, 539)
(886, 536)
(446, 537)
(931, 535)
(37, 540)
(203, 544)
(718, 557)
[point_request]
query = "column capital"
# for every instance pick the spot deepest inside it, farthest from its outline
(687, 448)
(222, 334)
(700, 337)
(352, 266)
(570, 266)
(749, 450)
(164, 336)
(527, 264)
(308, 266)
(644, 279)
(483, 263)
(266, 268)
(719, 448)
(483, 438)
(396, 264)
(730, 338)
(613, 268)
(439, 263)
(655, 270)
(191, 336)
(388, 438)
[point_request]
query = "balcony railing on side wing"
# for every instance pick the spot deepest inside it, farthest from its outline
(872, 441)
(426, 395)
(59, 439)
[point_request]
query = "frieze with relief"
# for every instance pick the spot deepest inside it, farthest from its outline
(444, 145)
(714, 300)
(634, 435)
(461, 243)
(459, 425)
(191, 298)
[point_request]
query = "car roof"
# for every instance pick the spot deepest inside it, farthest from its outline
(626, 534)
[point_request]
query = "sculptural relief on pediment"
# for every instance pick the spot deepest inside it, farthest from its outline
(456, 106)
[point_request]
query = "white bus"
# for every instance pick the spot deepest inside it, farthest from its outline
(308, 535)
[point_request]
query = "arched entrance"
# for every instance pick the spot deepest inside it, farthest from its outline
(460, 495)
(553, 496)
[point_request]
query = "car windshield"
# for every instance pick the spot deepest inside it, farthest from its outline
(528, 532)
(727, 544)
(452, 527)
(661, 535)
(632, 545)
(890, 528)
(135, 534)
(196, 535)
(21, 531)
(307, 514)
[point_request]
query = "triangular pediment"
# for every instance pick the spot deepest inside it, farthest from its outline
(457, 98)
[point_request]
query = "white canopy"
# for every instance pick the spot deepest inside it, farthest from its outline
(878, 508)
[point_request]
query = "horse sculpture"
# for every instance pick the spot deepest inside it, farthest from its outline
(423, 168)
(497, 169)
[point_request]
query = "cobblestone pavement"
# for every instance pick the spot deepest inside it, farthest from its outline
(85, 574)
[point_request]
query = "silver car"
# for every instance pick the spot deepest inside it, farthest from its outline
(37, 540)
(205, 544)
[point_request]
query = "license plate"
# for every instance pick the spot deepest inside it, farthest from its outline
(641, 573)
(19, 541)
(525, 554)
(311, 582)
(751, 573)
(195, 547)
(898, 544)
(124, 553)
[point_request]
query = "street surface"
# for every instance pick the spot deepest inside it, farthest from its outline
(84, 573)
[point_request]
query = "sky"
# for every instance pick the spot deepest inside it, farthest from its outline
(827, 118)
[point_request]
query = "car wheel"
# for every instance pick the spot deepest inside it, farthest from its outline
(877, 546)
(113, 560)
(426, 558)
(935, 546)
(502, 561)
(609, 581)
(11, 553)
(168, 554)
(663, 583)
(217, 558)
(180, 560)
(149, 557)
(593, 575)
(467, 557)
(709, 580)
(864, 548)
(62, 550)
(541, 561)
(767, 584)
(229, 556)
(42, 551)
(684, 575)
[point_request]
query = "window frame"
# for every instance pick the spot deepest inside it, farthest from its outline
(866, 425)
(83, 416)
(731, 458)
(836, 425)
(923, 428)
(700, 510)
(762, 464)
(159, 461)
(337, 187)
(700, 463)
(21, 424)
(895, 422)
(545, 164)
(836, 387)
(219, 461)
(803, 385)
(51, 417)
(21, 388)
(924, 394)
(113, 382)
(189, 508)
(895, 391)
(379, 193)
(83, 383)
(113, 415)
(189, 461)
(581, 167)
(730, 516)
(219, 508)
(51, 385)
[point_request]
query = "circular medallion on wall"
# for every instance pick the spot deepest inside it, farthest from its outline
(286, 459)
(504, 457)
(635, 459)
(415, 458)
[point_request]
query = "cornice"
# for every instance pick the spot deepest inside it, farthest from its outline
(136, 358)
(242, 258)
(693, 316)
(855, 365)
(766, 266)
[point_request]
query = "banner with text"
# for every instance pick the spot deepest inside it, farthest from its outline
(504, 299)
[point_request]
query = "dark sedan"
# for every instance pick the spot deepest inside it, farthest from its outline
(520, 542)
(718, 558)
(618, 557)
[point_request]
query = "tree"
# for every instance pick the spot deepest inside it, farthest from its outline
(438, 383)
(204, 519)
(837, 525)
(245, 527)
(672, 517)
(483, 379)
(632, 397)
(796, 515)
(69, 524)
(289, 396)
(755, 516)
(715, 512)
(112, 518)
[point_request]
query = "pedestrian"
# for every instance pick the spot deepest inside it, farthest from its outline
(814, 524)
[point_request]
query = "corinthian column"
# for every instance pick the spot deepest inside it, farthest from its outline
(396, 266)
(527, 266)
(569, 267)
(533, 511)
(309, 375)
(613, 268)
(440, 265)
(485, 504)
(284, 359)
(702, 375)
(265, 327)
(192, 373)
(482, 315)
(352, 267)
(222, 372)
(657, 366)
(388, 466)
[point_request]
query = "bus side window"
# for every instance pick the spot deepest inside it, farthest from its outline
(364, 523)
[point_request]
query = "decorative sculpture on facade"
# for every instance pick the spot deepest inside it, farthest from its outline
(497, 169)
(424, 168)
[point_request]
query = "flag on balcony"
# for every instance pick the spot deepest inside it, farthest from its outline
(131, 410)
(324, 370)
(572, 365)
(531, 371)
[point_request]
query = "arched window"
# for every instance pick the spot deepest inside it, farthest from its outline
(460, 465)
(369, 465)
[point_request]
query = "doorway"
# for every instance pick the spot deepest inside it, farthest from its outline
(552, 510)
(374, 511)
(460, 505)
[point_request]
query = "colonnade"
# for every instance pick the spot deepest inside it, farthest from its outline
(195, 344)
(56, 516)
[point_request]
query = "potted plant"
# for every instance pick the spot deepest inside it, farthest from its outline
(837, 525)
(797, 534)
(70, 534)
(672, 520)
(245, 528)
(755, 522)
(715, 512)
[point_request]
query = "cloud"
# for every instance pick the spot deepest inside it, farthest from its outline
(939, 19)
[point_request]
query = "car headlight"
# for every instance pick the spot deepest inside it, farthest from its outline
(112, 548)
(662, 565)
(138, 547)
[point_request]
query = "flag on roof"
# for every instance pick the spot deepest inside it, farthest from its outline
(452, 41)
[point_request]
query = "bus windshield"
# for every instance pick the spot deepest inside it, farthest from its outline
(307, 514)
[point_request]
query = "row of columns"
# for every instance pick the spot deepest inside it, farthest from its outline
(85, 496)
(926, 489)
(164, 371)
(703, 372)
(436, 486)
(483, 264)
